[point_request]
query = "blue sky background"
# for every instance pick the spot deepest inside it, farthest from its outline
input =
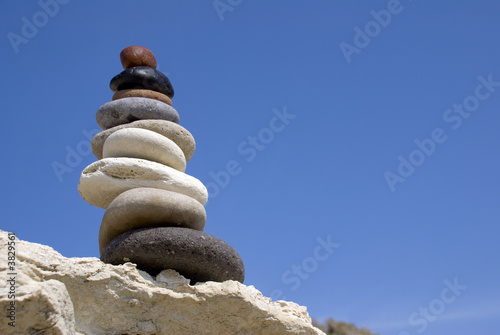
(320, 177)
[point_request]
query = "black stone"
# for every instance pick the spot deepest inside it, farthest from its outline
(195, 255)
(142, 77)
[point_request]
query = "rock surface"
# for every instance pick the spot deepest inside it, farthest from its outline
(42, 306)
(111, 300)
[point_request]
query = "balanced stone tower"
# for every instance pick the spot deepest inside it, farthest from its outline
(155, 212)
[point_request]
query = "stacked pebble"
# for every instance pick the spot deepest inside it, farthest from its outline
(155, 213)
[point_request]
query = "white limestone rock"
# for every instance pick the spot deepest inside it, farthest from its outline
(39, 307)
(108, 299)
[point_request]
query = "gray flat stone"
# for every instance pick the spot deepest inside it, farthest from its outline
(126, 110)
(181, 136)
(194, 254)
(149, 207)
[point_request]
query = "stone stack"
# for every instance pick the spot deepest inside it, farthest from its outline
(155, 212)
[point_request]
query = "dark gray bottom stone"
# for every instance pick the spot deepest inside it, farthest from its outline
(195, 255)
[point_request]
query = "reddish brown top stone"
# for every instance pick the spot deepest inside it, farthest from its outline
(137, 56)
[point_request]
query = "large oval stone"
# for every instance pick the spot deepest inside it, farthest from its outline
(181, 136)
(142, 94)
(194, 254)
(144, 144)
(104, 180)
(142, 77)
(126, 110)
(149, 207)
(137, 56)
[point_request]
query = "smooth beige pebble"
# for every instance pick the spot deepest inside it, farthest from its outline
(144, 144)
(171, 130)
(149, 207)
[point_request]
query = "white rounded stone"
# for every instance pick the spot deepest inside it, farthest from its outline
(104, 180)
(145, 144)
(181, 136)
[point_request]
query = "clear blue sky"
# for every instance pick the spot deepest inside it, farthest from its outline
(360, 96)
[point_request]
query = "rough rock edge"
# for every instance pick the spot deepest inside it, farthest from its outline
(110, 299)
